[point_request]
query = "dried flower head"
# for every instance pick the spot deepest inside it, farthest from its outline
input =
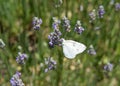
(92, 15)
(91, 50)
(16, 81)
(66, 24)
(2, 44)
(36, 23)
(21, 58)
(101, 11)
(78, 28)
(108, 67)
(51, 64)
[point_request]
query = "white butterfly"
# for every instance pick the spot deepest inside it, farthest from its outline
(72, 48)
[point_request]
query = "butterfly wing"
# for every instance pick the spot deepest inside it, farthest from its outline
(69, 51)
(78, 47)
(72, 48)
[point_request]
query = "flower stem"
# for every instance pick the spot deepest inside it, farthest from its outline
(59, 70)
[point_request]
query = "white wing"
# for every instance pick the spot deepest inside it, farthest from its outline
(68, 51)
(72, 48)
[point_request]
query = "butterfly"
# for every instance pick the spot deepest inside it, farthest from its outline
(72, 48)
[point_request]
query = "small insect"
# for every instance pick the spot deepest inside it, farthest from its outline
(72, 48)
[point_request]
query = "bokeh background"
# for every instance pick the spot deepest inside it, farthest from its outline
(85, 70)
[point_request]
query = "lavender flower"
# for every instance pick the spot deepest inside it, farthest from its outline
(117, 6)
(66, 24)
(21, 58)
(56, 23)
(2, 44)
(101, 11)
(51, 64)
(91, 50)
(78, 28)
(92, 15)
(36, 23)
(16, 81)
(108, 67)
(54, 37)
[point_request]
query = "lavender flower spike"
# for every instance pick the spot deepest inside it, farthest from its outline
(2, 44)
(16, 81)
(54, 37)
(117, 6)
(66, 24)
(51, 64)
(101, 11)
(36, 23)
(21, 58)
(78, 28)
(92, 15)
(56, 23)
(108, 67)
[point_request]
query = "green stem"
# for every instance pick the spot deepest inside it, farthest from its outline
(6, 59)
(60, 59)
(66, 6)
(59, 69)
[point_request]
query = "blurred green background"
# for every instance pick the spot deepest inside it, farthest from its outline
(85, 70)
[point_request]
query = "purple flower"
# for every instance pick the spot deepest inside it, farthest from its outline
(92, 15)
(117, 6)
(56, 23)
(2, 44)
(51, 64)
(91, 50)
(66, 24)
(78, 28)
(54, 37)
(15, 80)
(101, 11)
(36, 23)
(21, 58)
(108, 67)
